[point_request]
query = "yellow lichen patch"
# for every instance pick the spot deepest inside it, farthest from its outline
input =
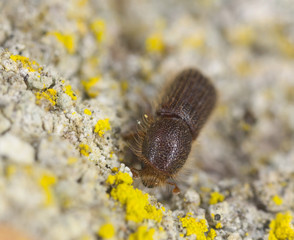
(194, 226)
(242, 35)
(124, 85)
(98, 27)
(218, 225)
(114, 170)
(67, 89)
(211, 235)
(106, 231)
(88, 112)
(284, 43)
(277, 200)
(50, 95)
(85, 149)
(244, 68)
(32, 66)
(46, 181)
(216, 197)
(10, 170)
(281, 227)
(89, 84)
(67, 40)
(136, 203)
(82, 3)
(205, 189)
(245, 126)
(71, 160)
(154, 43)
(194, 41)
(86, 237)
(142, 233)
(102, 126)
(120, 178)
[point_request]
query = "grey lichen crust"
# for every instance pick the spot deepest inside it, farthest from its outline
(74, 77)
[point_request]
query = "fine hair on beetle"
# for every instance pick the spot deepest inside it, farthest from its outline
(163, 140)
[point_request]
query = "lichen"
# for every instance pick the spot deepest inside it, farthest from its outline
(277, 200)
(49, 94)
(216, 197)
(194, 226)
(98, 27)
(136, 203)
(67, 40)
(142, 233)
(71, 160)
(281, 227)
(211, 234)
(154, 43)
(89, 84)
(218, 225)
(102, 126)
(67, 89)
(85, 149)
(30, 65)
(88, 112)
(46, 181)
(106, 231)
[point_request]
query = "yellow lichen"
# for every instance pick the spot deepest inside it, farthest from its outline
(119, 178)
(32, 66)
(98, 27)
(85, 149)
(281, 227)
(142, 233)
(106, 231)
(216, 197)
(283, 42)
(244, 68)
(89, 84)
(136, 203)
(194, 226)
(50, 95)
(277, 200)
(115, 169)
(154, 43)
(124, 85)
(67, 89)
(205, 189)
(218, 225)
(46, 181)
(102, 126)
(194, 41)
(211, 235)
(67, 40)
(88, 112)
(10, 170)
(242, 35)
(86, 237)
(71, 160)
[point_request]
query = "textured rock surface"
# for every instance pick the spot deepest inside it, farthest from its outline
(74, 76)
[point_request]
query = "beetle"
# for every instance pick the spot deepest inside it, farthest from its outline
(164, 140)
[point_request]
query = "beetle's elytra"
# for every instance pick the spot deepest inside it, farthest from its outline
(165, 139)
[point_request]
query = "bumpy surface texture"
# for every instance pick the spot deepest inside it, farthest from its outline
(74, 77)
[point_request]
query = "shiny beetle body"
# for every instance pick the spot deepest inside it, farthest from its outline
(165, 139)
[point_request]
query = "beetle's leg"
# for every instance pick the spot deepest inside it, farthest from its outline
(135, 172)
(176, 189)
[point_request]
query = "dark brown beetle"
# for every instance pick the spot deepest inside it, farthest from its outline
(164, 141)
